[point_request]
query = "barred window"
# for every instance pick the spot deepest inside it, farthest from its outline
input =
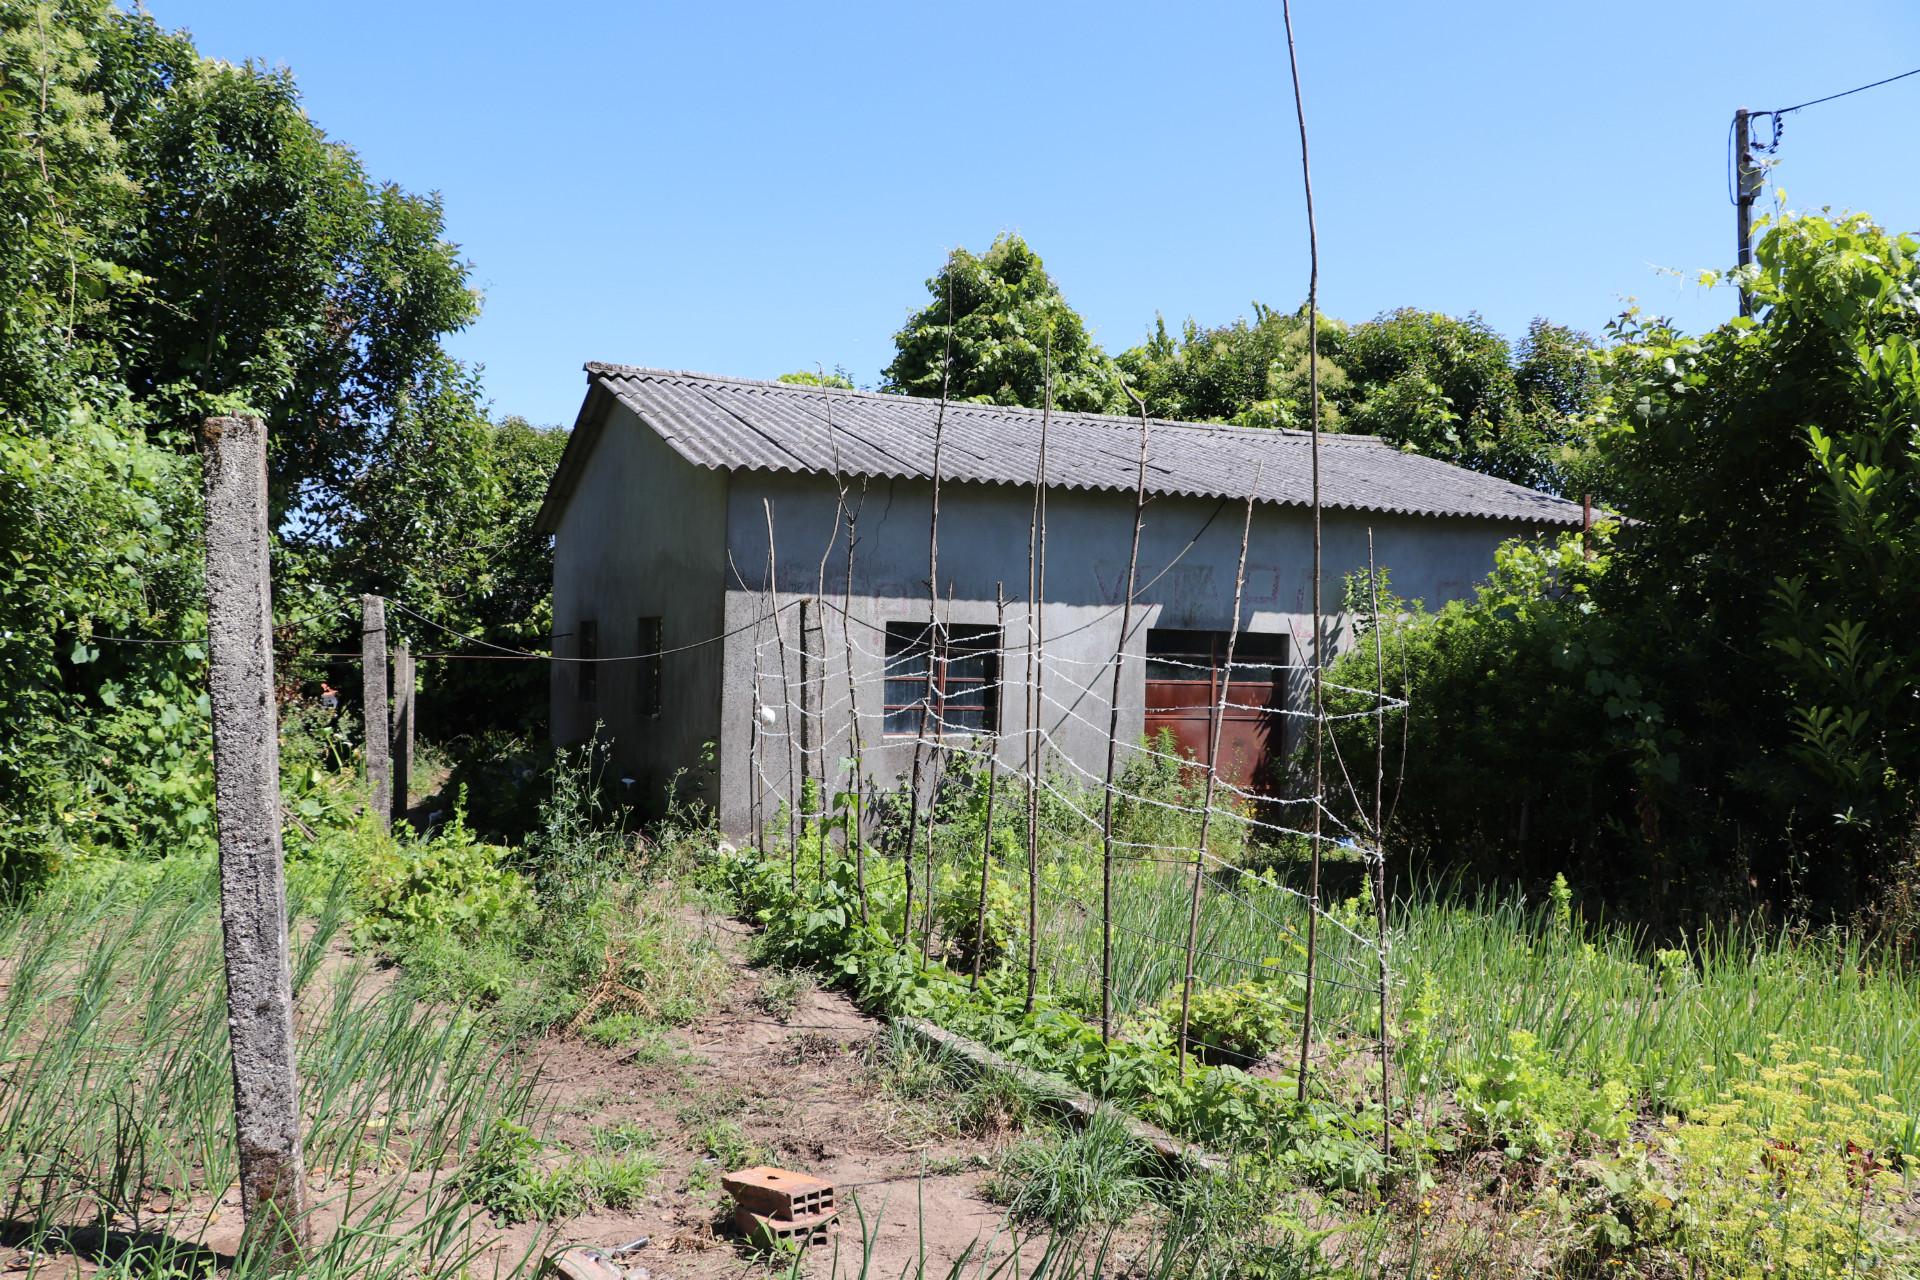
(962, 691)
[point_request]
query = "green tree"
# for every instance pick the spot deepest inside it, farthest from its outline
(1005, 311)
(839, 379)
(1253, 373)
(1721, 701)
(181, 239)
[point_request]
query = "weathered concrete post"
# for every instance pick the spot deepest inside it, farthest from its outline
(373, 701)
(253, 892)
(403, 687)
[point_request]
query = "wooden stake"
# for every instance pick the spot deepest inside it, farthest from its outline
(855, 833)
(1213, 769)
(373, 705)
(786, 707)
(756, 798)
(253, 891)
(936, 663)
(1036, 708)
(1113, 736)
(993, 778)
(933, 629)
(810, 745)
(1313, 409)
(1380, 847)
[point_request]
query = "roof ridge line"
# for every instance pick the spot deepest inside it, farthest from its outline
(1334, 438)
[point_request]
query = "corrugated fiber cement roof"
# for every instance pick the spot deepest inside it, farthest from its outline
(733, 423)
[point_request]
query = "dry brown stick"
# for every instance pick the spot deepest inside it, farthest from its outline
(1036, 628)
(1213, 770)
(821, 796)
(855, 833)
(755, 799)
(1113, 735)
(786, 708)
(937, 660)
(1313, 410)
(993, 778)
(1380, 848)
(933, 611)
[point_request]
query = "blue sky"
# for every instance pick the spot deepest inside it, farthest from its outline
(748, 189)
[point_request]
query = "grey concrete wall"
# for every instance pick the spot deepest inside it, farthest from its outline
(983, 542)
(644, 535)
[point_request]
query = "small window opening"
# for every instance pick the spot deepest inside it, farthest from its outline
(960, 691)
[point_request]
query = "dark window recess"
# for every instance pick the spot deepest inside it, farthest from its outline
(649, 663)
(1259, 657)
(963, 690)
(587, 648)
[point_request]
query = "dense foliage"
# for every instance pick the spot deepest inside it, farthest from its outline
(1721, 700)
(182, 240)
(995, 325)
(1446, 387)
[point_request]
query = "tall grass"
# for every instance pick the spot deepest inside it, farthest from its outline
(118, 1085)
(1467, 969)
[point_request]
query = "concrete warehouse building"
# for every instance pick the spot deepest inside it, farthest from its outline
(674, 485)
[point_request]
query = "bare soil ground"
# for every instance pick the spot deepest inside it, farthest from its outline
(794, 1086)
(800, 1090)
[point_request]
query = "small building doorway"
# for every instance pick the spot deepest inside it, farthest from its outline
(1185, 671)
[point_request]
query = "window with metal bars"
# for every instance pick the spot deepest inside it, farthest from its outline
(962, 691)
(648, 646)
(587, 648)
(1175, 653)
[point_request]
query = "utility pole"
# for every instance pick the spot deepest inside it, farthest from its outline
(253, 888)
(373, 704)
(1746, 190)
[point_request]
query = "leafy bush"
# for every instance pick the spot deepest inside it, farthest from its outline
(452, 882)
(1788, 1173)
(1523, 1100)
(1239, 1024)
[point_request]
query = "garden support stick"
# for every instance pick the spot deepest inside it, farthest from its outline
(786, 705)
(1380, 846)
(1213, 771)
(1036, 629)
(1313, 410)
(993, 778)
(1113, 735)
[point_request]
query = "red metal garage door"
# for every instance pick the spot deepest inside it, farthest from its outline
(1184, 672)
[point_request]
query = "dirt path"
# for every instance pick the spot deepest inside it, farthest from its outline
(795, 1090)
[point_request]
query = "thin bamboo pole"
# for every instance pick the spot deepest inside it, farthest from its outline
(1213, 770)
(1113, 735)
(1036, 627)
(786, 707)
(1380, 847)
(1313, 410)
(993, 778)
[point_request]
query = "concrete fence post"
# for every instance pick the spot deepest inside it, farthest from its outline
(253, 892)
(373, 703)
(402, 735)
